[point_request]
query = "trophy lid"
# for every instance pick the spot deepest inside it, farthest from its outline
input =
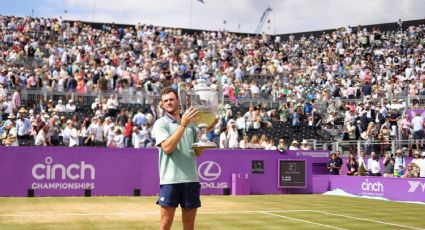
(201, 84)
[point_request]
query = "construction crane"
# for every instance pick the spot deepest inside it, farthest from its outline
(262, 20)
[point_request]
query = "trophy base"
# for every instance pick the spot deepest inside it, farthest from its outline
(204, 145)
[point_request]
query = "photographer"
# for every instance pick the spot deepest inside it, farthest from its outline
(333, 165)
(389, 163)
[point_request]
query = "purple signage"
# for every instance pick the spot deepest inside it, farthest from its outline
(412, 112)
(66, 171)
(312, 153)
(397, 189)
(63, 171)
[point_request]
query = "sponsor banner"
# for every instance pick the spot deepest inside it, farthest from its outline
(63, 171)
(396, 189)
(412, 112)
(66, 171)
(312, 153)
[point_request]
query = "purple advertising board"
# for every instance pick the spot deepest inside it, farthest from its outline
(396, 189)
(66, 171)
(412, 112)
(63, 171)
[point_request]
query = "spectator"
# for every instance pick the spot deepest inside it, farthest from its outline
(352, 165)
(339, 160)
(118, 140)
(70, 107)
(140, 119)
(86, 138)
(294, 145)
(223, 139)
(73, 136)
(389, 163)
(109, 134)
(400, 163)
(66, 135)
(373, 165)
(240, 124)
(112, 106)
(304, 145)
(41, 138)
(232, 135)
(16, 99)
(270, 145)
(127, 134)
(416, 158)
(411, 172)
(418, 132)
(282, 146)
(23, 127)
(60, 107)
(97, 131)
(95, 104)
(122, 118)
(369, 136)
(263, 141)
(333, 165)
(54, 131)
(147, 137)
(137, 138)
(359, 129)
(244, 143)
(10, 135)
(254, 143)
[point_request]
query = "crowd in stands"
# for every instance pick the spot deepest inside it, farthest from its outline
(352, 75)
(390, 165)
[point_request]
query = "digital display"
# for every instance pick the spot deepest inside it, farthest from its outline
(292, 174)
(258, 166)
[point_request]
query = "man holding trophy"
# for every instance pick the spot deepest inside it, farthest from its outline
(175, 135)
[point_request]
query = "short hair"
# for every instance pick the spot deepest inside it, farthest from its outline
(169, 90)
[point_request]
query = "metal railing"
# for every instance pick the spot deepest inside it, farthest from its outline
(355, 146)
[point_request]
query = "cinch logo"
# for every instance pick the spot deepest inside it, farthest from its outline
(51, 171)
(374, 187)
(415, 184)
(209, 170)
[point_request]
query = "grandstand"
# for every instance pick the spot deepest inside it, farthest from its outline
(58, 60)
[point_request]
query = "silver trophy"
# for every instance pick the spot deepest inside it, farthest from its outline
(208, 101)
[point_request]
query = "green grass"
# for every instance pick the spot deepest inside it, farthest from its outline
(217, 212)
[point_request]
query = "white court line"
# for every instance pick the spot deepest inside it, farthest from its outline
(34, 214)
(369, 220)
(304, 221)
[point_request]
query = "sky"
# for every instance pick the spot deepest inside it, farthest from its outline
(288, 16)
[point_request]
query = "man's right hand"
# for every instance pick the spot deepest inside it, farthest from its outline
(188, 116)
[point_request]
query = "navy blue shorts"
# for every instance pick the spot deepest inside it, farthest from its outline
(418, 135)
(185, 194)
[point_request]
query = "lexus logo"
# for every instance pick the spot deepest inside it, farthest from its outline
(209, 170)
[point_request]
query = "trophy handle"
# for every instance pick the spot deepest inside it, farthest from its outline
(220, 95)
(184, 96)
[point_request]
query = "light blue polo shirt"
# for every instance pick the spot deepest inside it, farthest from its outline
(180, 165)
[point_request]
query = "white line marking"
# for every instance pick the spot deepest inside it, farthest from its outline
(304, 221)
(33, 214)
(369, 220)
